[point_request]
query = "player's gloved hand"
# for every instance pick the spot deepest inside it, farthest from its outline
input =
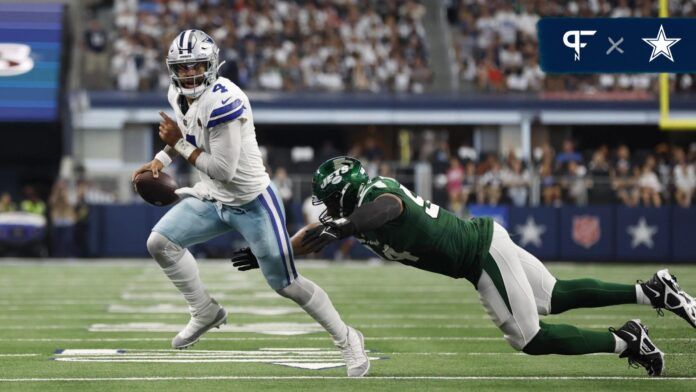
(318, 237)
(244, 260)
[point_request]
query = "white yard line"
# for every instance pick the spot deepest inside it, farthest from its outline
(363, 379)
(294, 337)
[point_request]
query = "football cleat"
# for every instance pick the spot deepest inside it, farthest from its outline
(212, 316)
(353, 350)
(664, 293)
(641, 350)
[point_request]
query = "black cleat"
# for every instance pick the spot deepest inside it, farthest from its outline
(641, 350)
(664, 293)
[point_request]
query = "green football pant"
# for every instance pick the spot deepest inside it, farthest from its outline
(515, 288)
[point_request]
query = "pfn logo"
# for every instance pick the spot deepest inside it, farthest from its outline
(576, 43)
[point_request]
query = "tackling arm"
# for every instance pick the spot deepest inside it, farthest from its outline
(365, 218)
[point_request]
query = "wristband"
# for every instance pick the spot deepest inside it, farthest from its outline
(164, 158)
(184, 148)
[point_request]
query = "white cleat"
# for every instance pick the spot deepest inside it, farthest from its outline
(212, 316)
(353, 350)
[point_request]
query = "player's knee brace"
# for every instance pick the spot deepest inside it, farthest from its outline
(300, 290)
(165, 252)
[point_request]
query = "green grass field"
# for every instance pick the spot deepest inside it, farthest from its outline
(428, 331)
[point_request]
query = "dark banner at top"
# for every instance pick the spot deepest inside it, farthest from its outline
(626, 45)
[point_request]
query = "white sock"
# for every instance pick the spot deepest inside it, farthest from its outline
(184, 275)
(641, 298)
(621, 344)
(322, 310)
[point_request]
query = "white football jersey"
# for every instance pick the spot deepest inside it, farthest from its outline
(222, 102)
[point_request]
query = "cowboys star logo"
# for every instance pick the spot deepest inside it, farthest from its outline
(15, 59)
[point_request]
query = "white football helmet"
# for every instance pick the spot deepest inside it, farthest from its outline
(190, 48)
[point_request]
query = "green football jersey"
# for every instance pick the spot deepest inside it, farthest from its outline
(426, 236)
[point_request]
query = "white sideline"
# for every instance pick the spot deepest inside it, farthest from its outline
(394, 378)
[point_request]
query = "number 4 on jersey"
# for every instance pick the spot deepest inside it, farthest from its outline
(219, 87)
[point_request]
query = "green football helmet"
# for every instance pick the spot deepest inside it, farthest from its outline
(336, 184)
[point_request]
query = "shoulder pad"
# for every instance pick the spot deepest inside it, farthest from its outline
(224, 110)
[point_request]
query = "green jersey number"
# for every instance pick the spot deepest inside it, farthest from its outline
(432, 210)
(391, 254)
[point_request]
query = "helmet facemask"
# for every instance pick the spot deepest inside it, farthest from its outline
(192, 62)
(338, 204)
(191, 85)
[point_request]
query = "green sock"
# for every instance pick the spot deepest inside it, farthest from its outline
(569, 340)
(590, 293)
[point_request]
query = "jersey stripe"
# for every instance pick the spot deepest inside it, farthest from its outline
(227, 108)
(228, 117)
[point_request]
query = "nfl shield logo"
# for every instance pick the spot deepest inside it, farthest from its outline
(586, 231)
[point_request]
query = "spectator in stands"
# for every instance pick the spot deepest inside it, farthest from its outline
(599, 171)
(623, 181)
(81, 245)
(469, 183)
(516, 180)
(575, 183)
(550, 189)
(455, 179)
(6, 203)
(32, 203)
(490, 184)
(684, 178)
(372, 151)
(63, 218)
(568, 154)
(289, 45)
(649, 184)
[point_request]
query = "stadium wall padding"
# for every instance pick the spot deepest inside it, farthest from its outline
(593, 233)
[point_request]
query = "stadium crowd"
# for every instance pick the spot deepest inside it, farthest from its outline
(495, 44)
(351, 45)
(666, 175)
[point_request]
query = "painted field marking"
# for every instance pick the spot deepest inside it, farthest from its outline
(285, 329)
(304, 358)
(299, 337)
(359, 379)
(171, 308)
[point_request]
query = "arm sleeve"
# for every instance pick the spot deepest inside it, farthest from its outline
(225, 148)
(375, 214)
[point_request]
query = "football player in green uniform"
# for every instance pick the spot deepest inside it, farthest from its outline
(513, 285)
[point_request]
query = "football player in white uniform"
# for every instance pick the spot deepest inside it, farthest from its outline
(214, 132)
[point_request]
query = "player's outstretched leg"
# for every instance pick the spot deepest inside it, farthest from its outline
(314, 300)
(506, 293)
(557, 296)
(663, 292)
(263, 226)
(630, 341)
(181, 268)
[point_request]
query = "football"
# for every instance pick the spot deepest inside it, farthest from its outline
(156, 191)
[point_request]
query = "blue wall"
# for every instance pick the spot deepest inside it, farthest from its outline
(566, 233)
